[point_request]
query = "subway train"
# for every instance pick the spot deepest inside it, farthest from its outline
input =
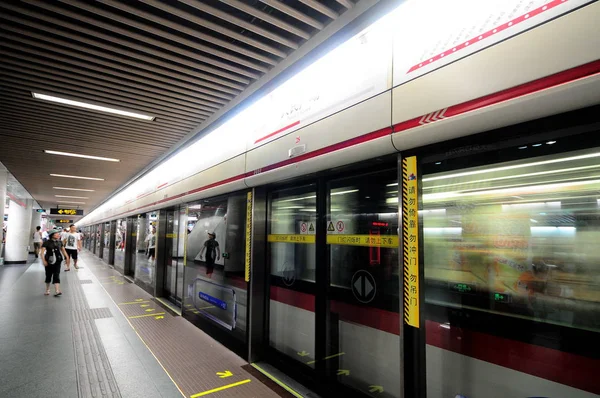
(302, 193)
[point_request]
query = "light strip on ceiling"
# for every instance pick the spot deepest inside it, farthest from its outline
(77, 177)
(539, 173)
(526, 189)
(71, 197)
(78, 155)
(67, 201)
(516, 166)
(75, 189)
(85, 105)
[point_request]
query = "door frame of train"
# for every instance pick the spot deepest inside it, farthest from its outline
(412, 340)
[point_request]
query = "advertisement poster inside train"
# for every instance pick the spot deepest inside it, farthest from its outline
(429, 34)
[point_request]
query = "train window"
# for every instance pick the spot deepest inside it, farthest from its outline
(106, 245)
(362, 235)
(518, 237)
(215, 262)
(511, 263)
(291, 237)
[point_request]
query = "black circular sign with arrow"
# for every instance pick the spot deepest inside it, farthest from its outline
(364, 287)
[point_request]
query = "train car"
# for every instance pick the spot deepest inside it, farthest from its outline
(281, 231)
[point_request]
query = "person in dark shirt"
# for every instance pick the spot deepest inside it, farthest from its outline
(213, 253)
(53, 253)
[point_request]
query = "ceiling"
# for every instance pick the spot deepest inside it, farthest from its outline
(184, 62)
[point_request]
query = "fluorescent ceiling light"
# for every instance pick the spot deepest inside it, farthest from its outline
(91, 106)
(72, 197)
(66, 201)
(74, 189)
(525, 189)
(539, 173)
(516, 166)
(79, 177)
(78, 155)
(344, 192)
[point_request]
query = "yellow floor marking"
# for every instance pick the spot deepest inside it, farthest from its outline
(150, 310)
(239, 383)
(141, 316)
(280, 383)
(326, 358)
(141, 339)
(134, 302)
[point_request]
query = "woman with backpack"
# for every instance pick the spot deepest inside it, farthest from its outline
(53, 254)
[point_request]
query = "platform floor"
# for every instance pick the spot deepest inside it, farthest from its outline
(105, 337)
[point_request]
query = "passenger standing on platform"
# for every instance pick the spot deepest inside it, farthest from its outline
(37, 241)
(213, 253)
(53, 253)
(72, 244)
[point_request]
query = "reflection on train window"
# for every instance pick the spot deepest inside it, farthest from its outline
(120, 232)
(215, 262)
(144, 261)
(362, 234)
(292, 232)
(517, 238)
(106, 246)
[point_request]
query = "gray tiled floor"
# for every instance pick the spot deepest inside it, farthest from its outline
(37, 354)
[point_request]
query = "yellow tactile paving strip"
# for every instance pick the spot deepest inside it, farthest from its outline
(197, 364)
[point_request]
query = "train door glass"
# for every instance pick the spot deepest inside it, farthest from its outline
(173, 267)
(292, 260)
(511, 270)
(106, 242)
(97, 239)
(145, 247)
(215, 289)
(364, 322)
(120, 239)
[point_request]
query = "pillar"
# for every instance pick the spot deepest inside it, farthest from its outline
(18, 235)
(36, 221)
(3, 182)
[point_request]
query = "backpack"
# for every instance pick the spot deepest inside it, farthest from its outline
(53, 255)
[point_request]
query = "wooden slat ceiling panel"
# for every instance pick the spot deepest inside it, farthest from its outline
(177, 60)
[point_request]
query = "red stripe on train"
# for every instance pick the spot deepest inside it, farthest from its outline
(554, 365)
(561, 367)
(573, 74)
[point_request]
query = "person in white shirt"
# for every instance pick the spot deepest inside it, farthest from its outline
(37, 241)
(72, 242)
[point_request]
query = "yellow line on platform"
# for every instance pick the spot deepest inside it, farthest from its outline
(276, 380)
(135, 302)
(141, 316)
(239, 383)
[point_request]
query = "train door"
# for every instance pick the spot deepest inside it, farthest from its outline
(511, 225)
(171, 265)
(334, 286)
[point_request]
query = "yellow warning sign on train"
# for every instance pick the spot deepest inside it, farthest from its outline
(291, 238)
(410, 241)
(248, 253)
(364, 240)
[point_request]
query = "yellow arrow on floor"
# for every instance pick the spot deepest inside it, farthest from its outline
(159, 317)
(150, 310)
(303, 353)
(343, 372)
(378, 389)
(225, 374)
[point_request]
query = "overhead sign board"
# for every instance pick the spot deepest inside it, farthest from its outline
(66, 212)
(64, 221)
